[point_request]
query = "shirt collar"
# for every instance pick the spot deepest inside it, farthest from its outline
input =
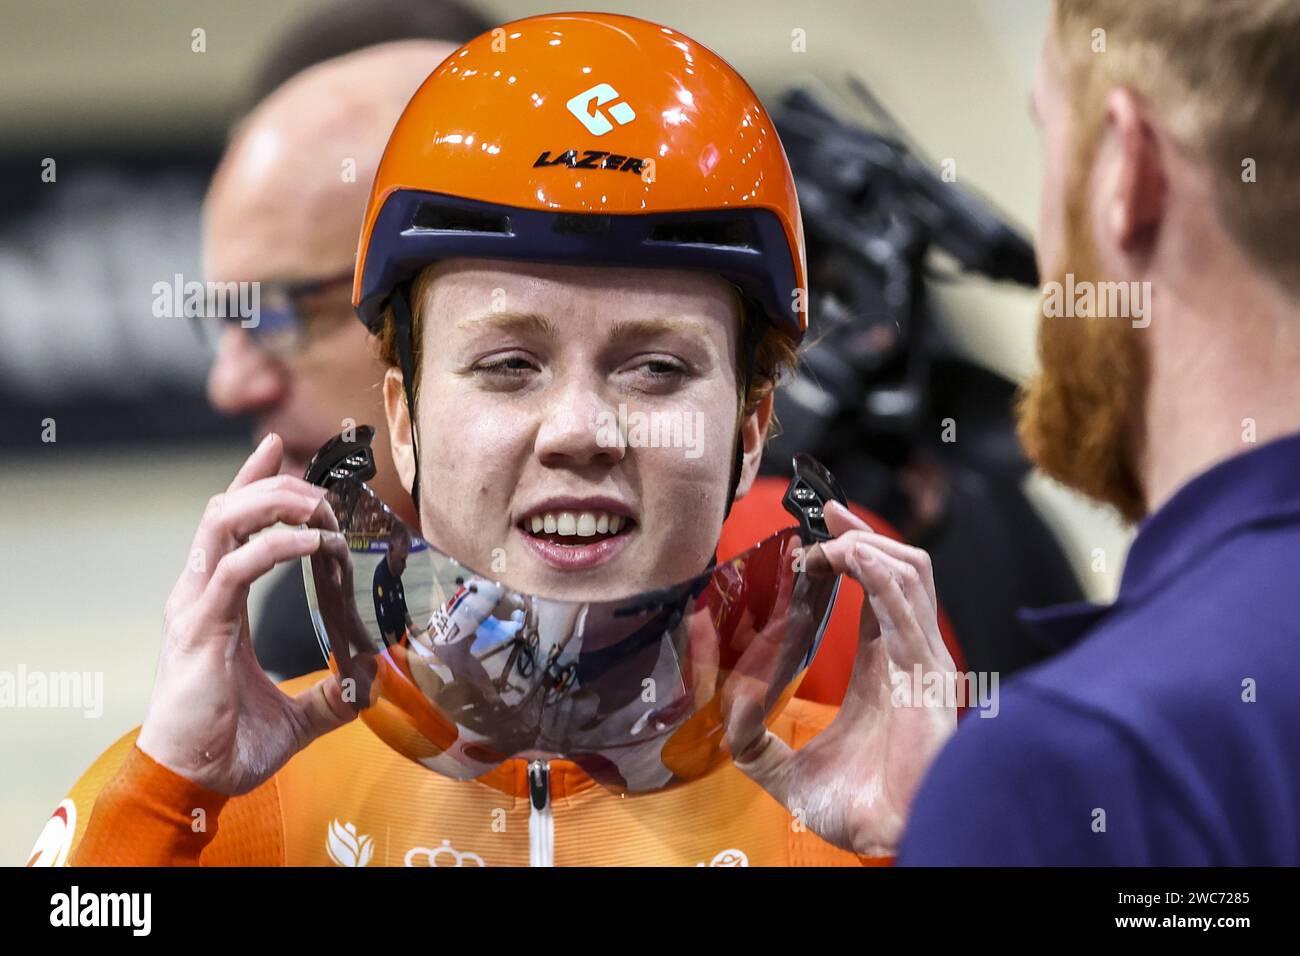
(1259, 485)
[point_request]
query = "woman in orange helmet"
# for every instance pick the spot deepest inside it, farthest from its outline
(584, 261)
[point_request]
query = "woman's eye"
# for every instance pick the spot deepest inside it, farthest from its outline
(657, 375)
(663, 369)
(511, 366)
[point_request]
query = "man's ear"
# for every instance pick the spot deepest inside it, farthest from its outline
(1132, 185)
(754, 435)
(399, 426)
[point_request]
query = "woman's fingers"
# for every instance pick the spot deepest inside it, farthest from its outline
(702, 655)
(912, 568)
(334, 545)
(231, 518)
(915, 584)
(766, 762)
(334, 551)
(912, 579)
(323, 517)
(264, 462)
(252, 510)
(909, 567)
(900, 629)
(235, 573)
(915, 558)
(840, 519)
(324, 707)
(253, 502)
(746, 736)
(770, 658)
(910, 583)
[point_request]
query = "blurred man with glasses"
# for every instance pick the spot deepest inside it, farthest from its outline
(284, 210)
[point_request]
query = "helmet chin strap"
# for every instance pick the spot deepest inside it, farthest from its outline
(755, 327)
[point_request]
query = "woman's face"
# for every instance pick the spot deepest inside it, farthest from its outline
(576, 423)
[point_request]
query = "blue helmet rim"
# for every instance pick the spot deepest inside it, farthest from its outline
(745, 245)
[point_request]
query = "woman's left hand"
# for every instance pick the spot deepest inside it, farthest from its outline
(853, 784)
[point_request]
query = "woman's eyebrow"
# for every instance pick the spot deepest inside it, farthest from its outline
(519, 322)
(623, 329)
(620, 330)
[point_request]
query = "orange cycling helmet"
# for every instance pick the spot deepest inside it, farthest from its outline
(591, 138)
(586, 137)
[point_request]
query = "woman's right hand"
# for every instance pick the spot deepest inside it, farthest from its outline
(214, 717)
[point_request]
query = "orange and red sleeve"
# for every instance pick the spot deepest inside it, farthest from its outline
(147, 815)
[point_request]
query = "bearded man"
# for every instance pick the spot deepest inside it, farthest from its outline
(1166, 733)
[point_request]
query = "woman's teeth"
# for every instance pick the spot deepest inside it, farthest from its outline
(579, 524)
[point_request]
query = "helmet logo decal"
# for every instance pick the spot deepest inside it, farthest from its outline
(586, 108)
(591, 159)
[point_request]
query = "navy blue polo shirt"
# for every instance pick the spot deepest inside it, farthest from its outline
(390, 603)
(1167, 732)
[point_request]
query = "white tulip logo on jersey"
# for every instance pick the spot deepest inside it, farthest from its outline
(586, 107)
(346, 847)
(55, 841)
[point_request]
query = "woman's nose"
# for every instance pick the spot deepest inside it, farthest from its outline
(580, 426)
(243, 379)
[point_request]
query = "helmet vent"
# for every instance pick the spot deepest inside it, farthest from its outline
(436, 217)
(724, 232)
(580, 224)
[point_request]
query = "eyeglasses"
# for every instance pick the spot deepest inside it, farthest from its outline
(280, 324)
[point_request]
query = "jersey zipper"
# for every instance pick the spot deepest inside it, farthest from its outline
(541, 825)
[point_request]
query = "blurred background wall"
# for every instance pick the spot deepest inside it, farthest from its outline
(94, 526)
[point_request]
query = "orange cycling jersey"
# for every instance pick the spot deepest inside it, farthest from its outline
(349, 800)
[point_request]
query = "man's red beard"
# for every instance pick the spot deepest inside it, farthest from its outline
(1081, 419)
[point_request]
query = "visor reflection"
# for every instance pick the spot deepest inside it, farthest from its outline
(459, 672)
